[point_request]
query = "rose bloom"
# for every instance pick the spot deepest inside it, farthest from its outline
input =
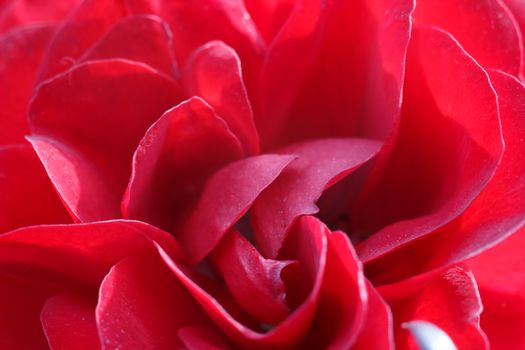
(262, 174)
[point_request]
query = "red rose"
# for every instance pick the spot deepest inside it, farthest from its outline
(257, 174)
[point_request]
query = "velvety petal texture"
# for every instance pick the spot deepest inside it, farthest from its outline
(502, 291)
(74, 118)
(449, 300)
(421, 182)
(176, 149)
(339, 59)
(497, 45)
(21, 51)
(496, 213)
(319, 164)
(22, 180)
(262, 174)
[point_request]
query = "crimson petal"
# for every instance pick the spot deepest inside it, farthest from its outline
(196, 23)
(141, 38)
(200, 338)
(495, 214)
(174, 159)
(21, 304)
(213, 72)
(269, 15)
(343, 307)
(24, 12)
(308, 245)
(500, 273)
(517, 7)
(20, 53)
(84, 252)
(82, 28)
(377, 332)
(450, 301)
(319, 165)
(142, 305)
(226, 197)
(255, 282)
(28, 197)
(483, 27)
(69, 323)
(424, 183)
(339, 59)
(91, 119)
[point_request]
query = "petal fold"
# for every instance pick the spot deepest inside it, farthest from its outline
(450, 118)
(80, 113)
(320, 164)
(178, 153)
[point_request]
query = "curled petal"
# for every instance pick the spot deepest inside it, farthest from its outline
(213, 72)
(81, 29)
(142, 305)
(141, 38)
(343, 302)
(340, 58)
(173, 161)
(483, 27)
(378, 328)
(423, 183)
(254, 281)
(20, 53)
(308, 244)
(500, 273)
(320, 164)
(496, 213)
(77, 116)
(450, 300)
(83, 252)
(226, 197)
(196, 23)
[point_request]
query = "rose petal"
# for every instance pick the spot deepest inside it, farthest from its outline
(142, 38)
(342, 308)
(500, 273)
(23, 12)
(339, 59)
(196, 23)
(308, 246)
(424, 183)
(500, 209)
(483, 27)
(517, 8)
(80, 113)
(495, 214)
(82, 28)
(377, 332)
(142, 305)
(213, 72)
(255, 282)
(27, 196)
(20, 53)
(20, 303)
(84, 252)
(269, 15)
(199, 338)
(226, 197)
(69, 323)
(320, 164)
(450, 300)
(174, 160)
